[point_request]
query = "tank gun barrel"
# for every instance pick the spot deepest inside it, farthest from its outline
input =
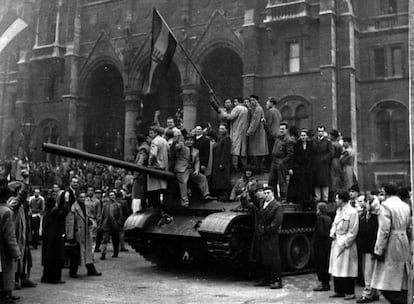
(77, 154)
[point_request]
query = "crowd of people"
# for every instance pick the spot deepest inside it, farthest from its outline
(78, 207)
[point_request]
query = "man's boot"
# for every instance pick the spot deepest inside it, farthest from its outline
(73, 272)
(92, 270)
(103, 256)
(277, 284)
(26, 282)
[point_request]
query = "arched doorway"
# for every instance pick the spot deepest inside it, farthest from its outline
(166, 98)
(223, 69)
(105, 112)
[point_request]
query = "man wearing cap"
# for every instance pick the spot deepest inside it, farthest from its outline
(269, 218)
(9, 249)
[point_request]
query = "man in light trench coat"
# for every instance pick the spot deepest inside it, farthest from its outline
(392, 250)
(343, 262)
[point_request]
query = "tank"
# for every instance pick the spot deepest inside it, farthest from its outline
(214, 230)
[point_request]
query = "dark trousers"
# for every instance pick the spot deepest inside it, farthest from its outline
(271, 273)
(344, 285)
(114, 234)
(277, 176)
(322, 265)
(395, 297)
(99, 236)
(35, 231)
(52, 273)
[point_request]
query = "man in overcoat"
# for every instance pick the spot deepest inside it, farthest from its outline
(239, 118)
(9, 249)
(269, 218)
(322, 155)
(392, 249)
(202, 143)
(158, 159)
(273, 119)
(256, 134)
(220, 177)
(343, 261)
(77, 231)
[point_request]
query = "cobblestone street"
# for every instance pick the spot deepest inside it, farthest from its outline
(131, 279)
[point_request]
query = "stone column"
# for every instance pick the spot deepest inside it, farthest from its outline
(132, 110)
(190, 97)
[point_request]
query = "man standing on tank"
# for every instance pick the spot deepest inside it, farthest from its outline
(265, 251)
(272, 124)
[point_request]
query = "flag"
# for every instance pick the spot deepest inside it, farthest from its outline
(163, 45)
(11, 26)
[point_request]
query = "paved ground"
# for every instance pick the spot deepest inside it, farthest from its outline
(131, 279)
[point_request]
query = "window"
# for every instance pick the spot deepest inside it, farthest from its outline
(379, 62)
(287, 115)
(388, 6)
(293, 57)
(387, 61)
(295, 113)
(391, 131)
(396, 61)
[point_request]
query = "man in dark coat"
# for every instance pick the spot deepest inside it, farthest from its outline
(322, 156)
(53, 241)
(273, 119)
(300, 186)
(9, 249)
(220, 177)
(269, 217)
(202, 143)
(322, 246)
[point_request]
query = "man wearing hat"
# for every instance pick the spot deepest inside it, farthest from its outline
(265, 249)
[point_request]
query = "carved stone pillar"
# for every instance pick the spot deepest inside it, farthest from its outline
(190, 97)
(132, 110)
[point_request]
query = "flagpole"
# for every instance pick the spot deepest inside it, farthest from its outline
(215, 104)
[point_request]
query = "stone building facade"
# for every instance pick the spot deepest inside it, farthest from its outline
(78, 72)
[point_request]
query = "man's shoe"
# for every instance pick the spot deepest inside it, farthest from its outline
(97, 250)
(376, 298)
(276, 285)
(10, 296)
(208, 197)
(103, 256)
(92, 270)
(17, 285)
(27, 283)
(115, 255)
(322, 287)
(364, 300)
(337, 295)
(262, 283)
(349, 297)
(73, 275)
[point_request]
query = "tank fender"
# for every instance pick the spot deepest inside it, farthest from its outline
(143, 219)
(220, 222)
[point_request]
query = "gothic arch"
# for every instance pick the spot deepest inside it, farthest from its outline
(92, 66)
(297, 111)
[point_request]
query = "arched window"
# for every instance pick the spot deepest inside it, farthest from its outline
(49, 133)
(295, 111)
(390, 131)
(287, 115)
(302, 117)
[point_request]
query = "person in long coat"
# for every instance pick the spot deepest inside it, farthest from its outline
(343, 261)
(257, 135)
(239, 118)
(322, 155)
(336, 169)
(272, 123)
(158, 159)
(392, 249)
(347, 160)
(220, 178)
(321, 246)
(77, 230)
(9, 249)
(53, 241)
(269, 218)
(300, 186)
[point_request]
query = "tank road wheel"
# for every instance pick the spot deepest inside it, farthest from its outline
(297, 251)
